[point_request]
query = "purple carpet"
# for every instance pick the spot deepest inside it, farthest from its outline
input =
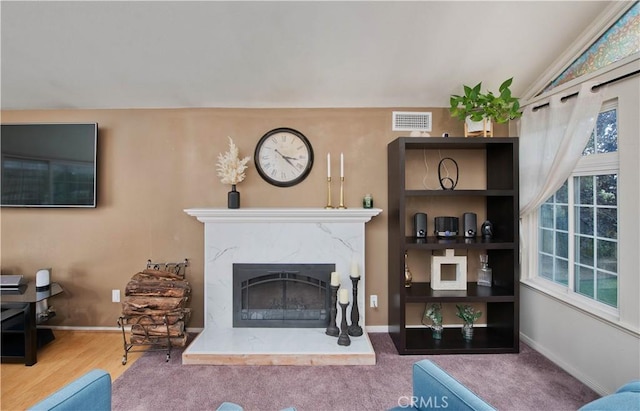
(519, 382)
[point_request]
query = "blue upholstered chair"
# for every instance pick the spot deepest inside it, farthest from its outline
(627, 398)
(91, 392)
(434, 389)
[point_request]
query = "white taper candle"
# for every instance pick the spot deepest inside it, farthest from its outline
(343, 295)
(354, 269)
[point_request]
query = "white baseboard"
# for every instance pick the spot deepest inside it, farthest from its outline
(377, 328)
(562, 364)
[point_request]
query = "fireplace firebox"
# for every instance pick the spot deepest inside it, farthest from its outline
(281, 295)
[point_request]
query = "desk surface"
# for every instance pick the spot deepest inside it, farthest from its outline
(27, 293)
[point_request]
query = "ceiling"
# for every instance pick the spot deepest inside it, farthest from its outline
(147, 54)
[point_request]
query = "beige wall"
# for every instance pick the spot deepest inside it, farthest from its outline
(155, 163)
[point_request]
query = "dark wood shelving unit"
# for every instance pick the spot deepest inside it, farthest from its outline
(500, 202)
(454, 193)
(422, 293)
(435, 243)
(485, 341)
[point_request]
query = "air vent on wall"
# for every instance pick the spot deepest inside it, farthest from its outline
(411, 121)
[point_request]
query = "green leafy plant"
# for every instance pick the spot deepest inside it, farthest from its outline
(467, 313)
(434, 313)
(478, 105)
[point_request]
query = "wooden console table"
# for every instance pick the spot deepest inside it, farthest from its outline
(19, 321)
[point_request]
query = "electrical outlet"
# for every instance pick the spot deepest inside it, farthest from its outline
(115, 296)
(373, 301)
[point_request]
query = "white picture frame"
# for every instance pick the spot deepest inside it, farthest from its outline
(449, 258)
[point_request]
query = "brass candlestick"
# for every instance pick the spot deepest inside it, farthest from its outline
(329, 193)
(341, 206)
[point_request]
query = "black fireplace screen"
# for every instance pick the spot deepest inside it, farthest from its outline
(281, 295)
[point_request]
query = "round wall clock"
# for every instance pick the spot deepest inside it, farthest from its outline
(283, 157)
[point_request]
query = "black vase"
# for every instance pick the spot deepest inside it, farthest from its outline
(233, 198)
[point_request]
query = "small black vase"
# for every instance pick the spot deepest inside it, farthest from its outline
(233, 198)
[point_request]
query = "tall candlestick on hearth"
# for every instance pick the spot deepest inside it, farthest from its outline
(354, 329)
(333, 329)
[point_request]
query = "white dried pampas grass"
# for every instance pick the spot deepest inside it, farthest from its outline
(230, 167)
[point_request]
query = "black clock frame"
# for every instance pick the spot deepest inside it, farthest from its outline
(265, 176)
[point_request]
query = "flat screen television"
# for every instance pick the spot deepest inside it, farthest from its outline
(48, 165)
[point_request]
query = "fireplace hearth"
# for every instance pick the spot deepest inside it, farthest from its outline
(278, 236)
(281, 295)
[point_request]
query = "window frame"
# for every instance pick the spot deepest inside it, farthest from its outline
(589, 165)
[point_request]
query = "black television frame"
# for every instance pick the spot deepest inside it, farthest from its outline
(93, 162)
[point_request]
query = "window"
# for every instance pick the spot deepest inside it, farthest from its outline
(578, 225)
(619, 41)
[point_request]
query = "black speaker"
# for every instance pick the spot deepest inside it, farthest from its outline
(446, 226)
(420, 225)
(470, 224)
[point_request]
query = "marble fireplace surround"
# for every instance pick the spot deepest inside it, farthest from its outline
(277, 235)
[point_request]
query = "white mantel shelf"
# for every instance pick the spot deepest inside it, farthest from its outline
(317, 215)
(278, 235)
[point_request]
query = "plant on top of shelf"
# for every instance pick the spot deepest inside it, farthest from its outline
(476, 106)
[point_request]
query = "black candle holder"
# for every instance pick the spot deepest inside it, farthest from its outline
(354, 329)
(344, 339)
(332, 329)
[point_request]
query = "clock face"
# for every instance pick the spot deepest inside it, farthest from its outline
(283, 157)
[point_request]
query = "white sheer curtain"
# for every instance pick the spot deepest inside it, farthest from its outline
(552, 140)
(551, 143)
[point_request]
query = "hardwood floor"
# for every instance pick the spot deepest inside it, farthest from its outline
(70, 355)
